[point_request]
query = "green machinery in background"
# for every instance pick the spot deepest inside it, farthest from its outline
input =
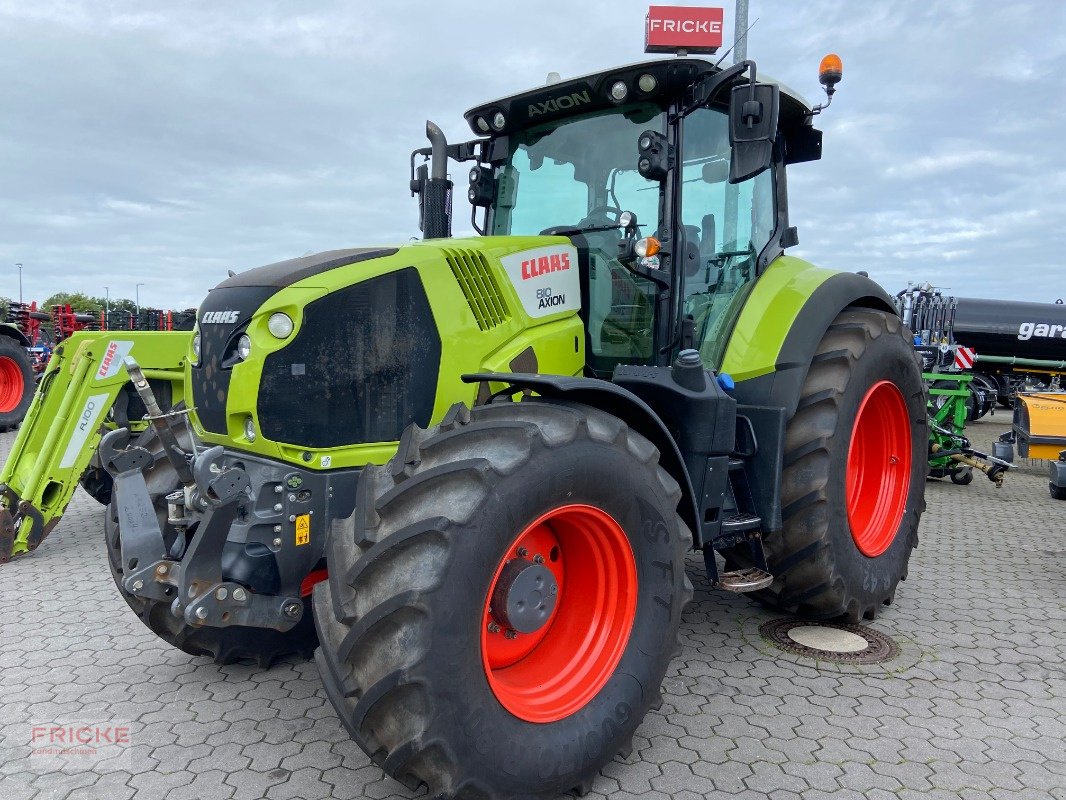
(950, 453)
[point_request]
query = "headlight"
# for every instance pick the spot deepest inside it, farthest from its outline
(196, 347)
(244, 347)
(249, 429)
(280, 325)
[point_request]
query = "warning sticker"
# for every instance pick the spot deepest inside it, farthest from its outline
(303, 529)
(546, 279)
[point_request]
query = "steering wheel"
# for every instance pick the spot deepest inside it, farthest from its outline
(602, 212)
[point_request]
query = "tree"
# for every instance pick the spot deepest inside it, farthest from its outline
(77, 301)
(123, 304)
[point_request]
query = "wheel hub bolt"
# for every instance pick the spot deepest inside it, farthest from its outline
(538, 559)
(522, 552)
(138, 585)
(239, 594)
(222, 593)
(494, 628)
(292, 610)
(511, 634)
(161, 569)
(277, 541)
(201, 613)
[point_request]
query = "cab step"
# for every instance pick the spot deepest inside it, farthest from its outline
(745, 580)
(739, 521)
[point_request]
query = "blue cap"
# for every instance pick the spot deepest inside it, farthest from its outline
(725, 380)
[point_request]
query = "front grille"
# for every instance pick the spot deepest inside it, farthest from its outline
(474, 274)
(210, 380)
(363, 366)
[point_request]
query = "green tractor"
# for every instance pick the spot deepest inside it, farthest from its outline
(624, 368)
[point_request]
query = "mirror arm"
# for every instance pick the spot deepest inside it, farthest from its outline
(716, 83)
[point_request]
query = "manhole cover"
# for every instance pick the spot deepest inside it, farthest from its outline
(829, 641)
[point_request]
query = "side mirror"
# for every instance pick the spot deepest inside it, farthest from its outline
(752, 129)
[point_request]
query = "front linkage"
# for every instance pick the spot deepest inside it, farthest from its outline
(214, 525)
(188, 575)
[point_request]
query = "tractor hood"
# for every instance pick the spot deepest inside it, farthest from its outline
(370, 337)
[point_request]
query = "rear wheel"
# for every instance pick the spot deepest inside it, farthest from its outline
(853, 483)
(504, 603)
(16, 382)
(224, 645)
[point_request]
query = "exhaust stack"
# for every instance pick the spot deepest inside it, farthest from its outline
(434, 189)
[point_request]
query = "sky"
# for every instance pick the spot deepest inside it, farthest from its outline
(164, 143)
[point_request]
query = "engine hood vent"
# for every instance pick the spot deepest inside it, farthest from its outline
(475, 276)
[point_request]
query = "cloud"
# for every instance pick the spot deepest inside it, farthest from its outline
(163, 143)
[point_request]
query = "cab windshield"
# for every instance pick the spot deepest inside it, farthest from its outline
(577, 175)
(577, 172)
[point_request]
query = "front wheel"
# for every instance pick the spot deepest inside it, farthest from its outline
(504, 603)
(853, 483)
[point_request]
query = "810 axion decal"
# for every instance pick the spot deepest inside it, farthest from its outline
(546, 279)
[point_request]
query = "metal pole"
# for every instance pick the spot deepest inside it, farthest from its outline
(732, 192)
(137, 295)
(19, 265)
(740, 41)
(107, 302)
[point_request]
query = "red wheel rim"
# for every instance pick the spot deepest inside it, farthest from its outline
(555, 671)
(12, 384)
(879, 468)
(314, 577)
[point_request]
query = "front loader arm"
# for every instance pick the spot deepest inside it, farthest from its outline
(62, 429)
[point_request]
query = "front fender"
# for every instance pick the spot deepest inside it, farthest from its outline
(620, 402)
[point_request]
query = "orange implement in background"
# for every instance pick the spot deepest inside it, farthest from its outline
(1040, 424)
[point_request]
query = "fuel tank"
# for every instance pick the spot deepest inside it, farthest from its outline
(1008, 328)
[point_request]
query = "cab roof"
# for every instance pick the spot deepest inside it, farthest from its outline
(591, 92)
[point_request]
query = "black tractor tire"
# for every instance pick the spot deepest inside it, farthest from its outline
(1057, 492)
(818, 568)
(402, 617)
(97, 483)
(991, 390)
(16, 382)
(224, 645)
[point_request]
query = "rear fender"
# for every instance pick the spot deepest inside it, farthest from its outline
(13, 332)
(788, 312)
(69, 413)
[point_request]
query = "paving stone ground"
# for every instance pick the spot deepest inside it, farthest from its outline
(974, 707)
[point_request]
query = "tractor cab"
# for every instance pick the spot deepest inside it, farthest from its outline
(669, 178)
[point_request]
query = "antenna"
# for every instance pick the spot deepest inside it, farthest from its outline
(738, 41)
